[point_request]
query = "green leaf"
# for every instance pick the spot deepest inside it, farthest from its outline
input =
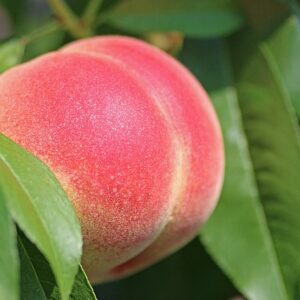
(41, 277)
(47, 38)
(9, 279)
(42, 210)
(284, 49)
(194, 18)
(11, 53)
(238, 227)
(253, 231)
(82, 289)
(37, 280)
(31, 286)
(270, 124)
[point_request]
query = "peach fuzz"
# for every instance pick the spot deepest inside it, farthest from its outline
(133, 139)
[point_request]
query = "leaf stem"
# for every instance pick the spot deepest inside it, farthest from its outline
(90, 14)
(69, 20)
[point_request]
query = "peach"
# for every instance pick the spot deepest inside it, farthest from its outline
(133, 139)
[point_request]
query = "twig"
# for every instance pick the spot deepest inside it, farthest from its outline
(90, 14)
(68, 19)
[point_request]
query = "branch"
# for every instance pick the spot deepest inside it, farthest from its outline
(91, 11)
(68, 19)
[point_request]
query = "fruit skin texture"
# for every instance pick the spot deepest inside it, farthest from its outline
(133, 139)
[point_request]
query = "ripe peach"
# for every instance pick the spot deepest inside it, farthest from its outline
(131, 136)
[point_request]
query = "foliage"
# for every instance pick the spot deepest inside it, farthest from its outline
(246, 54)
